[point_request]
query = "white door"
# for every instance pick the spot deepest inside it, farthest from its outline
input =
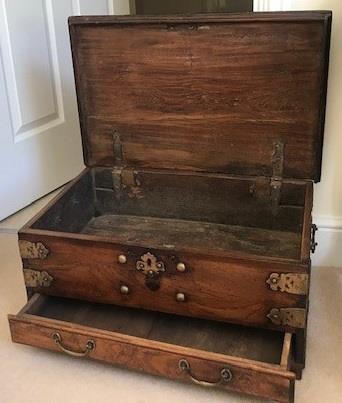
(40, 145)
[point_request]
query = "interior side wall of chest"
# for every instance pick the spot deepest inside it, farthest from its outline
(199, 212)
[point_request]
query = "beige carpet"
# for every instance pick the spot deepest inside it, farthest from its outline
(29, 375)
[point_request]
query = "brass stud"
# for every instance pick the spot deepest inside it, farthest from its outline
(181, 267)
(122, 259)
(124, 289)
(180, 297)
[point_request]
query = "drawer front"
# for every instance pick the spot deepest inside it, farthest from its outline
(256, 293)
(172, 361)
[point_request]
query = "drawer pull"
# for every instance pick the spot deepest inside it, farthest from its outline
(90, 346)
(226, 375)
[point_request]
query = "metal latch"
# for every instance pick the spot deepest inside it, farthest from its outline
(313, 242)
(293, 317)
(291, 283)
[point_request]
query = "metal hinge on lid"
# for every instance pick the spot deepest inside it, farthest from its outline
(117, 163)
(117, 149)
(277, 174)
(123, 177)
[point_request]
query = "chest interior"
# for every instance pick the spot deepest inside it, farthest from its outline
(200, 134)
(192, 212)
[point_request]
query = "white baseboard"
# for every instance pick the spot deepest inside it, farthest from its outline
(329, 239)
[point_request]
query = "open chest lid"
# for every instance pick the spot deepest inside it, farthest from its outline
(238, 94)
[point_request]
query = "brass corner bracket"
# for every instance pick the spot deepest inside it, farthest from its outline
(33, 250)
(35, 278)
(293, 317)
(292, 283)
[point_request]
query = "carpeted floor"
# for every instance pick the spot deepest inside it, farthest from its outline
(29, 375)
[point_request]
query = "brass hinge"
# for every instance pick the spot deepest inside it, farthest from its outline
(293, 317)
(277, 175)
(35, 278)
(125, 179)
(292, 283)
(33, 250)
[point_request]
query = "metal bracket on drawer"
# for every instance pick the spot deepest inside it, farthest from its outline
(294, 317)
(35, 278)
(33, 250)
(292, 283)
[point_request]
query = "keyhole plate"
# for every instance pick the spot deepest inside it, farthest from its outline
(148, 264)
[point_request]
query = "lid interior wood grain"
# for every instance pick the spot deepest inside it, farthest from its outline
(203, 93)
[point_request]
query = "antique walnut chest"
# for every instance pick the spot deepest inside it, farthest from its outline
(183, 249)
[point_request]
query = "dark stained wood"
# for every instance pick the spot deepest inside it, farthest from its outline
(178, 101)
(254, 377)
(289, 16)
(172, 233)
(72, 210)
(185, 212)
(221, 199)
(68, 187)
(307, 221)
(251, 343)
(215, 287)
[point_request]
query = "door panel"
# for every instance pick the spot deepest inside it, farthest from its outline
(40, 145)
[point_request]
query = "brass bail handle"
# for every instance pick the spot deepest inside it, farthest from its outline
(90, 346)
(226, 375)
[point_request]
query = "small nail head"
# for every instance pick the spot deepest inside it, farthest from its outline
(122, 259)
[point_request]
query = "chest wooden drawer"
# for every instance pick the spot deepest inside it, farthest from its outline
(220, 288)
(235, 358)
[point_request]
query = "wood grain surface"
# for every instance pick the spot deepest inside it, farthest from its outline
(207, 94)
(253, 377)
(215, 287)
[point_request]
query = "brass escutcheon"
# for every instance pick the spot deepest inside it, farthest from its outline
(149, 265)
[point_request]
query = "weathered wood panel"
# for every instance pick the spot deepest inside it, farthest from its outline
(202, 93)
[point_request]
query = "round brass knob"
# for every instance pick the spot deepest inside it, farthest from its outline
(180, 297)
(181, 267)
(124, 289)
(122, 259)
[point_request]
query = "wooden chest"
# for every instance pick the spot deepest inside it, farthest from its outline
(183, 249)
